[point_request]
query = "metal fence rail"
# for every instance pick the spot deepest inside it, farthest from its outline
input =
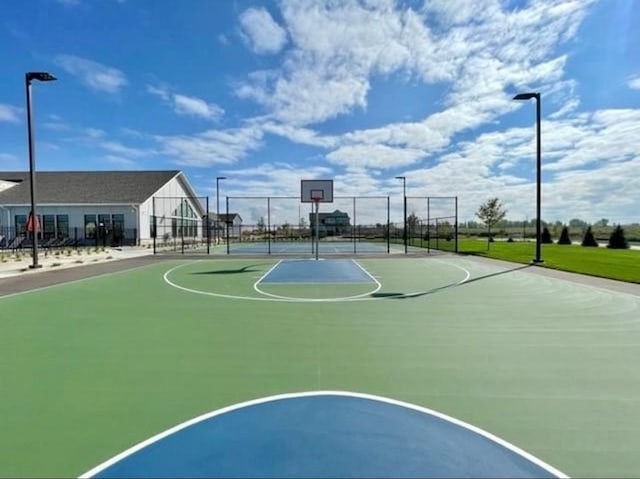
(11, 239)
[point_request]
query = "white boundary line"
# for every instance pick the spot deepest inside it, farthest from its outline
(234, 407)
(208, 293)
(363, 297)
(318, 300)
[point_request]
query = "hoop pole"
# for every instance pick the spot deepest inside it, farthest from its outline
(268, 225)
(317, 227)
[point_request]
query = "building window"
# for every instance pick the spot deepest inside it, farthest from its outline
(21, 224)
(49, 227)
(118, 227)
(104, 226)
(63, 226)
(90, 226)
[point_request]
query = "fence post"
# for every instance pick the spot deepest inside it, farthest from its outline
(153, 212)
(388, 225)
(456, 227)
(355, 226)
(208, 228)
(226, 225)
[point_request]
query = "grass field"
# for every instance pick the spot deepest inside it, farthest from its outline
(623, 265)
(92, 367)
(618, 264)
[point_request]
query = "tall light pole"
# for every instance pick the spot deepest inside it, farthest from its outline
(218, 178)
(529, 96)
(28, 78)
(404, 195)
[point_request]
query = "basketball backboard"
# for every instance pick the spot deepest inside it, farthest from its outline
(320, 191)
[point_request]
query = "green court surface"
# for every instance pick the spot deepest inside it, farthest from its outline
(92, 367)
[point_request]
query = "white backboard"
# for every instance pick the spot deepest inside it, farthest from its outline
(320, 191)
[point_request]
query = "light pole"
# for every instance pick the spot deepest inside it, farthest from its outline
(404, 195)
(218, 178)
(529, 96)
(28, 78)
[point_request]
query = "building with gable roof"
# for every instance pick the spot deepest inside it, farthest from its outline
(99, 207)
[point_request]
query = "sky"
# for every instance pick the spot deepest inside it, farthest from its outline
(266, 93)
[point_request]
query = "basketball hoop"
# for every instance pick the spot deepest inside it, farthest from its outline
(316, 192)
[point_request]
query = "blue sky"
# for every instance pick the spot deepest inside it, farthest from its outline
(267, 93)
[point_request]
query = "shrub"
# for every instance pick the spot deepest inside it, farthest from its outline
(588, 239)
(617, 239)
(545, 236)
(564, 236)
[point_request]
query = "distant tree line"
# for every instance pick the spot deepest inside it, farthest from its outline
(492, 212)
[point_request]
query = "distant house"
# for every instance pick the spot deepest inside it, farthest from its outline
(331, 224)
(99, 207)
(218, 226)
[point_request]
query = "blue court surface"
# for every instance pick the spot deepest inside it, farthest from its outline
(324, 434)
(306, 247)
(317, 271)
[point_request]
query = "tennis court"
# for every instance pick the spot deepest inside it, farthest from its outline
(317, 365)
(301, 247)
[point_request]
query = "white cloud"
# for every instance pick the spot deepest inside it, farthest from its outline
(569, 107)
(94, 75)
(590, 163)
(261, 31)
(187, 105)
(10, 113)
(212, 146)
(374, 156)
(303, 136)
(94, 132)
(159, 91)
(56, 125)
(123, 150)
(270, 179)
(335, 53)
(634, 83)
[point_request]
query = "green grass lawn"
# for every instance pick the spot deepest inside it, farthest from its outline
(622, 265)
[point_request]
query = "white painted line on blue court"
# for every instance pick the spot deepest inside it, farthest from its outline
(507, 445)
(269, 297)
(269, 271)
(318, 300)
(365, 271)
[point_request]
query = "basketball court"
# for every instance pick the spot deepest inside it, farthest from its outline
(387, 365)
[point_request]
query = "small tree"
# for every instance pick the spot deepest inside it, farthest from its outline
(617, 239)
(564, 236)
(491, 212)
(412, 224)
(545, 236)
(589, 239)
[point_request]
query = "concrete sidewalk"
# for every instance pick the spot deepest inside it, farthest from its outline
(10, 267)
